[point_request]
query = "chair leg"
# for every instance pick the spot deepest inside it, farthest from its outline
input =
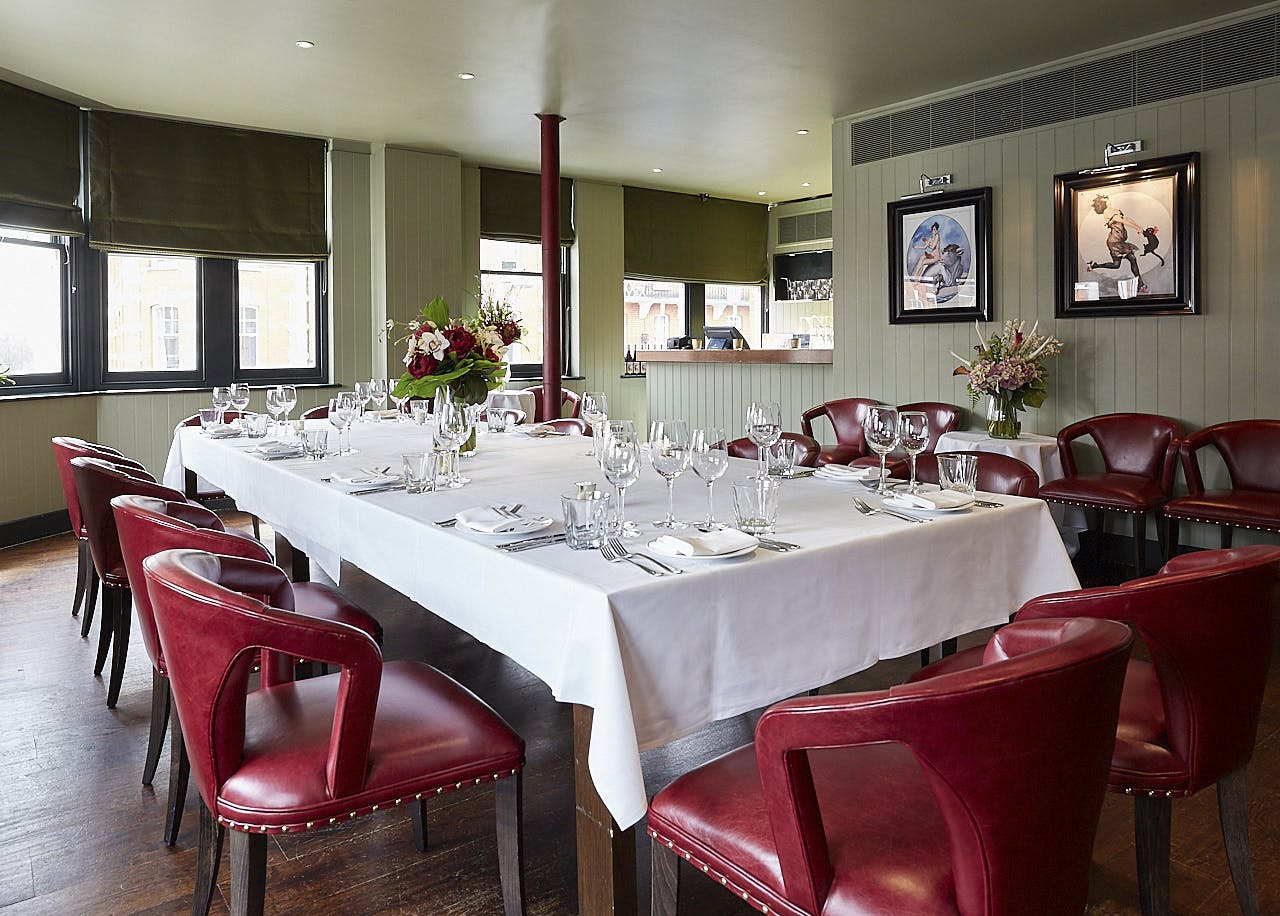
(1233, 812)
(664, 879)
(159, 722)
(83, 562)
(90, 599)
(257, 532)
(248, 873)
(1139, 543)
(1170, 539)
(1151, 822)
(1226, 532)
(106, 629)
(120, 644)
(179, 773)
(509, 809)
(420, 826)
(924, 657)
(208, 858)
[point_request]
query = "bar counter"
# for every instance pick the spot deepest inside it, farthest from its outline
(797, 356)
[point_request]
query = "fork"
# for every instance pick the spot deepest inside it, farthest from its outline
(508, 511)
(867, 509)
(613, 551)
(618, 547)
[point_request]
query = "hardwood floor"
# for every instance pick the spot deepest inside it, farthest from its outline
(80, 834)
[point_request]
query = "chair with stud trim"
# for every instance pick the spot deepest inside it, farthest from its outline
(147, 525)
(297, 756)
(567, 398)
(574, 426)
(848, 417)
(807, 449)
(996, 473)
(906, 800)
(943, 418)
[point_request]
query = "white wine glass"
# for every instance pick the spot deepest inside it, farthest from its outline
(288, 399)
(450, 432)
(240, 397)
(595, 410)
(764, 428)
(710, 459)
(399, 402)
(273, 406)
(378, 393)
(669, 454)
(913, 435)
(881, 430)
(364, 395)
(620, 463)
(221, 401)
(343, 411)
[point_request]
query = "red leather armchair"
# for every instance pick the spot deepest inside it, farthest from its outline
(98, 482)
(64, 449)
(297, 756)
(1137, 453)
(574, 426)
(147, 525)
(996, 473)
(905, 800)
(570, 399)
(847, 417)
(190, 485)
(1251, 451)
(316, 413)
(807, 449)
(943, 418)
(1189, 717)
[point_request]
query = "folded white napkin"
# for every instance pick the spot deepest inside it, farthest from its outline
(363, 477)
(844, 472)
(934, 499)
(275, 449)
(711, 544)
(538, 430)
(223, 432)
(487, 520)
(388, 414)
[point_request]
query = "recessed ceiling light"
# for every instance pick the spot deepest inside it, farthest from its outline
(802, 132)
(761, 193)
(656, 171)
(304, 44)
(464, 75)
(804, 184)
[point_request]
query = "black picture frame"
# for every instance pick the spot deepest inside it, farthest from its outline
(1145, 220)
(942, 274)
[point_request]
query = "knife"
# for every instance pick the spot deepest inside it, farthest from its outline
(382, 489)
(987, 504)
(530, 543)
(785, 545)
(905, 517)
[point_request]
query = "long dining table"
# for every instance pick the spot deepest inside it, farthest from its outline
(645, 659)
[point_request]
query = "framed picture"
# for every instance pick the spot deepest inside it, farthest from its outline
(1126, 241)
(940, 258)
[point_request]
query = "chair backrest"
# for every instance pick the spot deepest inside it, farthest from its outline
(67, 447)
(1016, 751)
(848, 417)
(194, 419)
(996, 473)
(567, 397)
(213, 614)
(147, 525)
(943, 418)
(1208, 620)
(316, 413)
(1249, 448)
(1142, 444)
(572, 425)
(807, 449)
(99, 481)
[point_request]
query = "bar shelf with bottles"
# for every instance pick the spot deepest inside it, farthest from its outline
(633, 365)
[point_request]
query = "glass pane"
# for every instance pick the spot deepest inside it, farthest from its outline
(151, 313)
(653, 310)
(734, 306)
(30, 308)
(512, 272)
(276, 324)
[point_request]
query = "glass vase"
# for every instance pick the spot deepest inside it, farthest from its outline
(1002, 419)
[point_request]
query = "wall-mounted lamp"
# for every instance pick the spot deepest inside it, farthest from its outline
(930, 186)
(1128, 148)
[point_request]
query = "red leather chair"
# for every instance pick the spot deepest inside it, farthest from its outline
(571, 425)
(1137, 453)
(1251, 451)
(1189, 717)
(297, 756)
(907, 800)
(996, 473)
(943, 418)
(567, 398)
(147, 525)
(847, 417)
(64, 449)
(190, 484)
(316, 413)
(98, 482)
(807, 449)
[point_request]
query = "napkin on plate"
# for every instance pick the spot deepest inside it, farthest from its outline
(275, 450)
(490, 521)
(362, 477)
(711, 544)
(844, 472)
(223, 432)
(933, 500)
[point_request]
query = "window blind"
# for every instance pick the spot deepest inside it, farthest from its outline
(669, 236)
(511, 206)
(39, 162)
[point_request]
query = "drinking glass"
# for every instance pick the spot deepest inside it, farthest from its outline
(913, 434)
(364, 394)
(620, 463)
(782, 458)
(209, 418)
(470, 412)
(755, 503)
(343, 411)
(881, 429)
(421, 412)
(239, 397)
(315, 442)
(450, 432)
(378, 392)
(221, 400)
(958, 472)
(595, 410)
(586, 520)
(287, 398)
(399, 402)
(255, 425)
(669, 454)
(764, 426)
(710, 460)
(419, 471)
(273, 405)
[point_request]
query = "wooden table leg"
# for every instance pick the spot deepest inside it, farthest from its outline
(295, 563)
(606, 852)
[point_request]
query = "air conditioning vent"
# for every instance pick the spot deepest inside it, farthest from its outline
(1168, 70)
(822, 224)
(788, 229)
(1104, 85)
(997, 111)
(952, 121)
(870, 140)
(1240, 53)
(909, 130)
(1048, 98)
(804, 227)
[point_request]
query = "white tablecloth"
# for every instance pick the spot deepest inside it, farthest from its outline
(656, 658)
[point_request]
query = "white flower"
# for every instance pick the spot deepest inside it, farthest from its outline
(434, 342)
(391, 324)
(414, 325)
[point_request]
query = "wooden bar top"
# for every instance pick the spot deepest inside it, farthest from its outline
(793, 356)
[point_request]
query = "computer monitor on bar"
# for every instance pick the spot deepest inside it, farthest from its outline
(723, 338)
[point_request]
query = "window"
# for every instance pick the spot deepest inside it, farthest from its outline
(511, 272)
(33, 307)
(248, 335)
(277, 301)
(653, 310)
(164, 331)
(152, 317)
(735, 306)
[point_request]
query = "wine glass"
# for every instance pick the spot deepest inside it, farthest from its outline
(287, 398)
(710, 461)
(913, 434)
(378, 392)
(764, 428)
(620, 462)
(595, 410)
(221, 400)
(450, 432)
(273, 405)
(669, 454)
(240, 397)
(364, 394)
(399, 402)
(881, 429)
(343, 411)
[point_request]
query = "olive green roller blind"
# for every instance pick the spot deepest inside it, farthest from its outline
(511, 206)
(671, 236)
(157, 185)
(39, 162)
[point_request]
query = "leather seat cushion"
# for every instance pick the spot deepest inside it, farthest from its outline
(1258, 508)
(317, 600)
(841, 454)
(1126, 492)
(1142, 759)
(428, 732)
(885, 835)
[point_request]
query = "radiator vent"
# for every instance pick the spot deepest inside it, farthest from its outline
(804, 227)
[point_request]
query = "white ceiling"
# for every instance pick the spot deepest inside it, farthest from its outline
(711, 91)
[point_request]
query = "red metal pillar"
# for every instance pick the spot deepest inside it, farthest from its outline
(551, 305)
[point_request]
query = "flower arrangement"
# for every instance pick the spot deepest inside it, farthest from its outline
(463, 353)
(1009, 369)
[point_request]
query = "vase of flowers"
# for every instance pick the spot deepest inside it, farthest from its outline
(1009, 370)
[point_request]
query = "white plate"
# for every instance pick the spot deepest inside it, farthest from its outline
(890, 504)
(741, 552)
(531, 525)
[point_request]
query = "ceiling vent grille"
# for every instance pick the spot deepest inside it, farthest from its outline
(804, 227)
(1227, 56)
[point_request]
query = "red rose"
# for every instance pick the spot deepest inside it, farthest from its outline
(423, 364)
(509, 331)
(491, 356)
(460, 340)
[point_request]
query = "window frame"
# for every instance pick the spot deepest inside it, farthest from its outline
(35, 383)
(533, 371)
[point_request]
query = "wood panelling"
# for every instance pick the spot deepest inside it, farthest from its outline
(354, 326)
(31, 484)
